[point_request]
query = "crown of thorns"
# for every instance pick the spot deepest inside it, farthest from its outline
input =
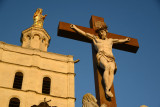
(100, 26)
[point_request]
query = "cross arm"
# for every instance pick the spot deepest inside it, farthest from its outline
(131, 46)
(64, 30)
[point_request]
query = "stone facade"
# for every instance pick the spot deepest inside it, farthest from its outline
(36, 64)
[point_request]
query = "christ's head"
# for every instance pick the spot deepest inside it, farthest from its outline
(103, 33)
(101, 29)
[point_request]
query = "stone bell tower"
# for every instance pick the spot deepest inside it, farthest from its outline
(32, 77)
(36, 37)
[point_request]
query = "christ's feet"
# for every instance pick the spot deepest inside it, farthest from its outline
(109, 93)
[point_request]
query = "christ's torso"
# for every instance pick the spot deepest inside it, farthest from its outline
(104, 46)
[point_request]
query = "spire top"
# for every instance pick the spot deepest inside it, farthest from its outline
(38, 18)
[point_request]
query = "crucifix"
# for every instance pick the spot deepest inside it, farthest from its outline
(102, 42)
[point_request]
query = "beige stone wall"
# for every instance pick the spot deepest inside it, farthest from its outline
(29, 98)
(35, 65)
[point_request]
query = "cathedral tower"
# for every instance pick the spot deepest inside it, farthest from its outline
(31, 76)
(36, 37)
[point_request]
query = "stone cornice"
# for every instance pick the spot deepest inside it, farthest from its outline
(38, 29)
(69, 58)
(37, 93)
(67, 73)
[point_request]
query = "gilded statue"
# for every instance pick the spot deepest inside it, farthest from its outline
(38, 18)
(143, 106)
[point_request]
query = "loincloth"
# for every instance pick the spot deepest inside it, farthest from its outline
(107, 57)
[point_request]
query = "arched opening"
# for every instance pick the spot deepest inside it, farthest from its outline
(46, 85)
(28, 37)
(43, 40)
(18, 80)
(14, 102)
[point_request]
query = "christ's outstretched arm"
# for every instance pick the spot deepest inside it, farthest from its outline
(88, 35)
(121, 40)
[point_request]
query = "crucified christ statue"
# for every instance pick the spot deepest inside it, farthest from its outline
(105, 58)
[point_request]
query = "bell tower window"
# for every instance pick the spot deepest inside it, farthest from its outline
(18, 80)
(14, 102)
(46, 85)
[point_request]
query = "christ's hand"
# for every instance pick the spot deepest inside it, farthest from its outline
(72, 26)
(128, 39)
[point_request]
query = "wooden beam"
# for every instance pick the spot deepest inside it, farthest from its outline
(64, 30)
(98, 74)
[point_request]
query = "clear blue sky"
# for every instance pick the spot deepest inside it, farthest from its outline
(137, 80)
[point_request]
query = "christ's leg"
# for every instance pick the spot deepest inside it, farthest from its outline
(106, 75)
(111, 74)
(108, 80)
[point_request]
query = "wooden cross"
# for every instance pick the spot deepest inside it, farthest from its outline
(64, 30)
